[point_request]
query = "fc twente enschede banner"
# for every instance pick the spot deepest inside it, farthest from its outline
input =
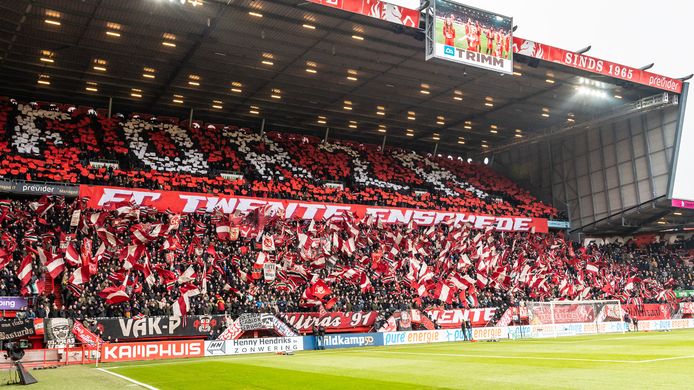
(189, 202)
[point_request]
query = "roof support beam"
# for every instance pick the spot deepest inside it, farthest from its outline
(187, 56)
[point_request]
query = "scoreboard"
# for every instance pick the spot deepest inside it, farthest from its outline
(459, 33)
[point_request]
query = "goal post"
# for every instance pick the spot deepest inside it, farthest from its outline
(563, 318)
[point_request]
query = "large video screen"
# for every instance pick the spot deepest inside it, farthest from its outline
(682, 178)
(472, 36)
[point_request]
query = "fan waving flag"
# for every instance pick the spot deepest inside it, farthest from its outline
(25, 271)
(268, 243)
(443, 293)
(55, 265)
(320, 290)
(114, 295)
(592, 267)
(181, 306)
(72, 256)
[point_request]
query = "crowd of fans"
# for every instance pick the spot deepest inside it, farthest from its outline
(129, 260)
(365, 265)
(60, 143)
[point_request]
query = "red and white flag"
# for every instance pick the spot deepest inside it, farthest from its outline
(114, 294)
(223, 231)
(25, 270)
(71, 255)
(268, 243)
(188, 275)
(107, 237)
(443, 293)
(80, 275)
(592, 267)
(182, 305)
(55, 265)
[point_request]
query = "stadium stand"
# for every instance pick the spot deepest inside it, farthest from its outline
(152, 256)
(50, 142)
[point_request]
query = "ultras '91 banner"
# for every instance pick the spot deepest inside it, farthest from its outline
(188, 202)
(471, 36)
(377, 9)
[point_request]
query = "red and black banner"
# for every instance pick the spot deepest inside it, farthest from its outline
(159, 327)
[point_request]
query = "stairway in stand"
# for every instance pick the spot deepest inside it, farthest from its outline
(49, 287)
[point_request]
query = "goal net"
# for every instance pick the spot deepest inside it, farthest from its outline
(564, 318)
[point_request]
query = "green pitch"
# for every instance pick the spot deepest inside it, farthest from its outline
(630, 361)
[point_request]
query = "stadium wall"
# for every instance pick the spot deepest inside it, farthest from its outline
(601, 171)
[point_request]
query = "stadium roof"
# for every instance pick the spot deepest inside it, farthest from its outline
(299, 64)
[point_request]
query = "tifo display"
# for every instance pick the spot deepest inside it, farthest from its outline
(391, 194)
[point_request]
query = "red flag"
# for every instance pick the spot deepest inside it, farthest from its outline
(329, 305)
(319, 289)
(86, 253)
(188, 275)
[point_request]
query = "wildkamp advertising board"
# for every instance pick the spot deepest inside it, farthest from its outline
(471, 36)
(349, 340)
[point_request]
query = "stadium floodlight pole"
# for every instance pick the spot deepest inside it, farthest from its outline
(646, 67)
(584, 50)
(110, 105)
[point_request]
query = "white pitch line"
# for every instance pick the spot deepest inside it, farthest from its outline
(507, 357)
(228, 358)
(667, 358)
(146, 386)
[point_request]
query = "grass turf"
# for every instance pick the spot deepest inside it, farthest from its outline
(641, 360)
